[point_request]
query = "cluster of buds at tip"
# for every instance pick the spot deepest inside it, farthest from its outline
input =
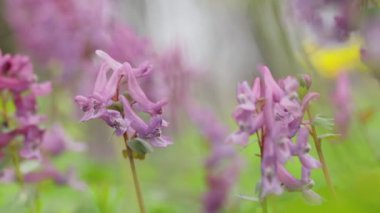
(274, 110)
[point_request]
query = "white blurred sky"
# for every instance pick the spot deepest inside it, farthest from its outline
(216, 36)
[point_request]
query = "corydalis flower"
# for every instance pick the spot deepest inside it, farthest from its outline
(370, 51)
(223, 163)
(150, 131)
(341, 99)
(54, 143)
(284, 101)
(16, 72)
(60, 30)
(274, 110)
(330, 20)
(19, 87)
(173, 78)
(135, 49)
(21, 136)
(102, 103)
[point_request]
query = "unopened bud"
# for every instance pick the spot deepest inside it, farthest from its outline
(305, 81)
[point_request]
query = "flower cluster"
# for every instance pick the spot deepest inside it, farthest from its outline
(68, 32)
(21, 138)
(53, 144)
(370, 51)
(118, 107)
(342, 101)
(274, 110)
(59, 30)
(223, 164)
(173, 80)
(19, 89)
(330, 20)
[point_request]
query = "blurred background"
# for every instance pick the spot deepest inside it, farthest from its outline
(200, 51)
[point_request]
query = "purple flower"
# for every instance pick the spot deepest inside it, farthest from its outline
(42, 89)
(138, 95)
(19, 87)
(270, 182)
(48, 171)
(222, 168)
(248, 113)
(223, 163)
(208, 124)
(50, 144)
(18, 69)
(329, 20)
(16, 72)
(7, 175)
(370, 52)
(134, 89)
(59, 30)
(55, 142)
(108, 94)
(135, 49)
(94, 106)
(276, 110)
(150, 131)
(172, 80)
(115, 120)
(32, 140)
(341, 99)
(302, 150)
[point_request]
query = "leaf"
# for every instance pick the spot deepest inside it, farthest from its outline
(328, 136)
(244, 197)
(325, 123)
(139, 148)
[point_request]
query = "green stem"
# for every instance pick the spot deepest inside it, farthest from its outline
(4, 100)
(321, 157)
(34, 204)
(37, 201)
(16, 164)
(264, 205)
(134, 175)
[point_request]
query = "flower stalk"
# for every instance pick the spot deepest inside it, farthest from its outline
(16, 164)
(136, 183)
(318, 146)
(4, 99)
(260, 137)
(264, 205)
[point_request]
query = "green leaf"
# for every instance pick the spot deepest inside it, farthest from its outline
(328, 136)
(139, 148)
(249, 198)
(325, 123)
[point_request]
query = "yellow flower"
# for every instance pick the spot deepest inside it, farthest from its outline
(331, 60)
